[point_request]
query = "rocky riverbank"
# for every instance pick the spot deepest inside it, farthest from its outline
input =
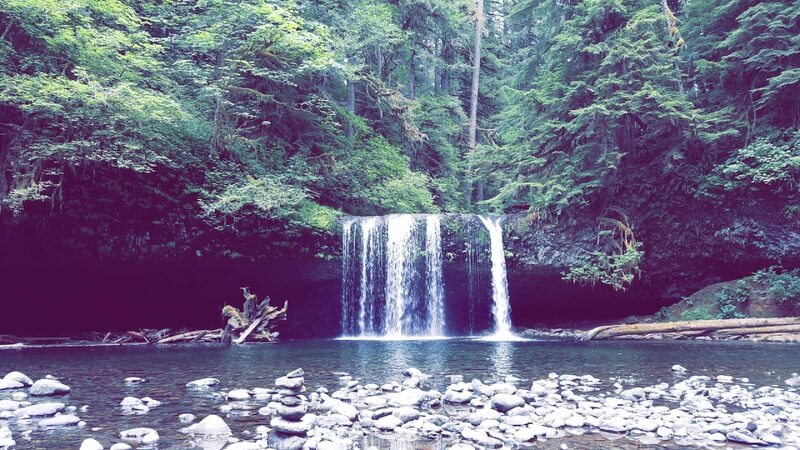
(693, 411)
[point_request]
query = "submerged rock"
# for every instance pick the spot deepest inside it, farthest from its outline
(203, 383)
(136, 434)
(40, 409)
(47, 387)
(66, 420)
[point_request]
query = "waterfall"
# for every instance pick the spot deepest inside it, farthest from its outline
(501, 310)
(392, 283)
(393, 276)
(370, 254)
(433, 275)
(400, 296)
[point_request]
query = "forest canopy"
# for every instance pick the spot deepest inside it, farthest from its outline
(288, 114)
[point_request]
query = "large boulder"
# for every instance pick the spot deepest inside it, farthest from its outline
(19, 377)
(64, 420)
(46, 387)
(505, 402)
(39, 410)
(211, 426)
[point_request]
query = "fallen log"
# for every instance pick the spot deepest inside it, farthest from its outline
(612, 331)
(759, 330)
(188, 336)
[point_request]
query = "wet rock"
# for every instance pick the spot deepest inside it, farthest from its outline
(281, 441)
(505, 402)
(294, 384)
(8, 405)
(245, 445)
(633, 395)
(136, 434)
(346, 410)
(238, 395)
(91, 444)
(133, 404)
(10, 384)
(744, 437)
(211, 426)
(47, 387)
(6, 437)
(203, 383)
(678, 368)
(457, 397)
(120, 446)
(19, 377)
(300, 427)
(409, 397)
(150, 403)
(186, 418)
(388, 423)
(292, 412)
(151, 438)
(65, 420)
(296, 373)
(615, 425)
(406, 413)
(481, 438)
(40, 409)
(134, 380)
(481, 415)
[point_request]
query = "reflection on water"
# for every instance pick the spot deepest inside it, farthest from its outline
(96, 374)
(502, 356)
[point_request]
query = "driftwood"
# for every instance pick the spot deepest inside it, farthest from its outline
(254, 322)
(721, 327)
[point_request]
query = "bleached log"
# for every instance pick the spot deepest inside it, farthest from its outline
(612, 331)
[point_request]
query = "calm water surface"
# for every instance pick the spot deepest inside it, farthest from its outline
(96, 374)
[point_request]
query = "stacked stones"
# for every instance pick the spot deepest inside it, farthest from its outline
(292, 424)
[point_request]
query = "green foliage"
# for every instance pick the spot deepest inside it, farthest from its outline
(697, 313)
(783, 285)
(615, 270)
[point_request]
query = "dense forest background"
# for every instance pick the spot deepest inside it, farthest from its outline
(150, 129)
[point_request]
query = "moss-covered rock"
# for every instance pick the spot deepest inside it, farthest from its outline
(767, 293)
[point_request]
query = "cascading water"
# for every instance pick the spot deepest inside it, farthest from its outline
(501, 310)
(400, 273)
(434, 283)
(393, 277)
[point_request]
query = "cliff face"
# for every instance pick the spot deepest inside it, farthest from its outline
(65, 273)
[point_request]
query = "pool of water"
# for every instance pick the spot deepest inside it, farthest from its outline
(96, 374)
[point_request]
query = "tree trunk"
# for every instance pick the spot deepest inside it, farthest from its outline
(412, 75)
(351, 108)
(476, 74)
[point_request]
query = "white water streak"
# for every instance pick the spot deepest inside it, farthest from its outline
(501, 309)
(434, 285)
(399, 273)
